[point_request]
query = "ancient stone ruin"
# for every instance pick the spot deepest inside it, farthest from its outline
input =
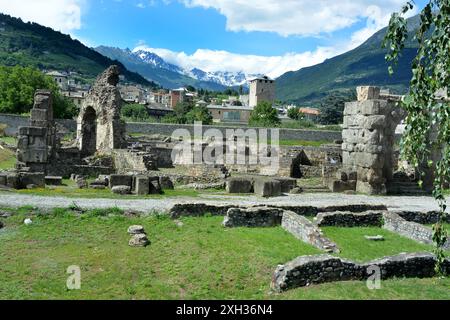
(99, 127)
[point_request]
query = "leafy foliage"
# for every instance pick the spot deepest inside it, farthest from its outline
(30, 44)
(135, 112)
(427, 135)
(17, 88)
(332, 108)
(264, 115)
(294, 113)
(187, 113)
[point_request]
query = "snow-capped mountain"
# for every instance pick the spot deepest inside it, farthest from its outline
(153, 67)
(228, 79)
(155, 60)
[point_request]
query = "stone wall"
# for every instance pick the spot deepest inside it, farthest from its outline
(368, 139)
(412, 230)
(129, 161)
(307, 270)
(349, 219)
(253, 217)
(427, 217)
(304, 230)
(13, 123)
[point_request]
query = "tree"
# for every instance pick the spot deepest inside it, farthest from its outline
(17, 88)
(264, 115)
(332, 107)
(428, 120)
(294, 113)
(135, 112)
(199, 114)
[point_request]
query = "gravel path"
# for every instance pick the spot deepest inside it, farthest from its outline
(164, 205)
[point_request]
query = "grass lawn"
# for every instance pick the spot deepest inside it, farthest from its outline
(70, 190)
(7, 159)
(198, 260)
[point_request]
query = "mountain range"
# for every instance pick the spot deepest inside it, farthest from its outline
(364, 65)
(171, 76)
(30, 44)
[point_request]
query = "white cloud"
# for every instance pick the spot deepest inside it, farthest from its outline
(62, 15)
(297, 17)
(214, 60)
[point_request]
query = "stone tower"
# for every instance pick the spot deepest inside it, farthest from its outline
(261, 89)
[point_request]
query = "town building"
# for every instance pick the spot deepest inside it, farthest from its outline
(261, 89)
(60, 78)
(77, 97)
(238, 114)
(310, 113)
(132, 94)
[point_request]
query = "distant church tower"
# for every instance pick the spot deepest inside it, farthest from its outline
(261, 89)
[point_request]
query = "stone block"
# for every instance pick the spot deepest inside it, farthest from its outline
(373, 107)
(39, 115)
(120, 180)
(166, 183)
(349, 219)
(3, 179)
(239, 185)
(351, 108)
(37, 179)
(287, 184)
(154, 185)
(371, 189)
(374, 122)
(367, 93)
(53, 181)
(123, 190)
(142, 186)
(267, 188)
(32, 131)
(341, 186)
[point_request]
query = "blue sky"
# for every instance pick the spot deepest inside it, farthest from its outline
(255, 36)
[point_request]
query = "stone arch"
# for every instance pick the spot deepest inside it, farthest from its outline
(88, 132)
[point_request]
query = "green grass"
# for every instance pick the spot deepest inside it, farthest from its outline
(7, 159)
(353, 245)
(9, 140)
(70, 190)
(200, 260)
(303, 143)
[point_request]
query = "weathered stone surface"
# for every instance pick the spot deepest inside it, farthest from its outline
(422, 217)
(136, 229)
(267, 188)
(3, 179)
(81, 182)
(142, 186)
(139, 240)
(341, 186)
(53, 181)
(120, 180)
(123, 190)
(367, 93)
(305, 230)
(296, 190)
(166, 183)
(239, 185)
(349, 219)
(35, 178)
(99, 128)
(155, 187)
(286, 184)
(253, 217)
(412, 230)
(307, 270)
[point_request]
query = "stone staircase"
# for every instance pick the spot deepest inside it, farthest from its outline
(404, 187)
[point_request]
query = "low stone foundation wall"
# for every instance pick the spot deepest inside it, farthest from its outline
(198, 210)
(412, 230)
(350, 219)
(428, 217)
(253, 217)
(307, 270)
(304, 230)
